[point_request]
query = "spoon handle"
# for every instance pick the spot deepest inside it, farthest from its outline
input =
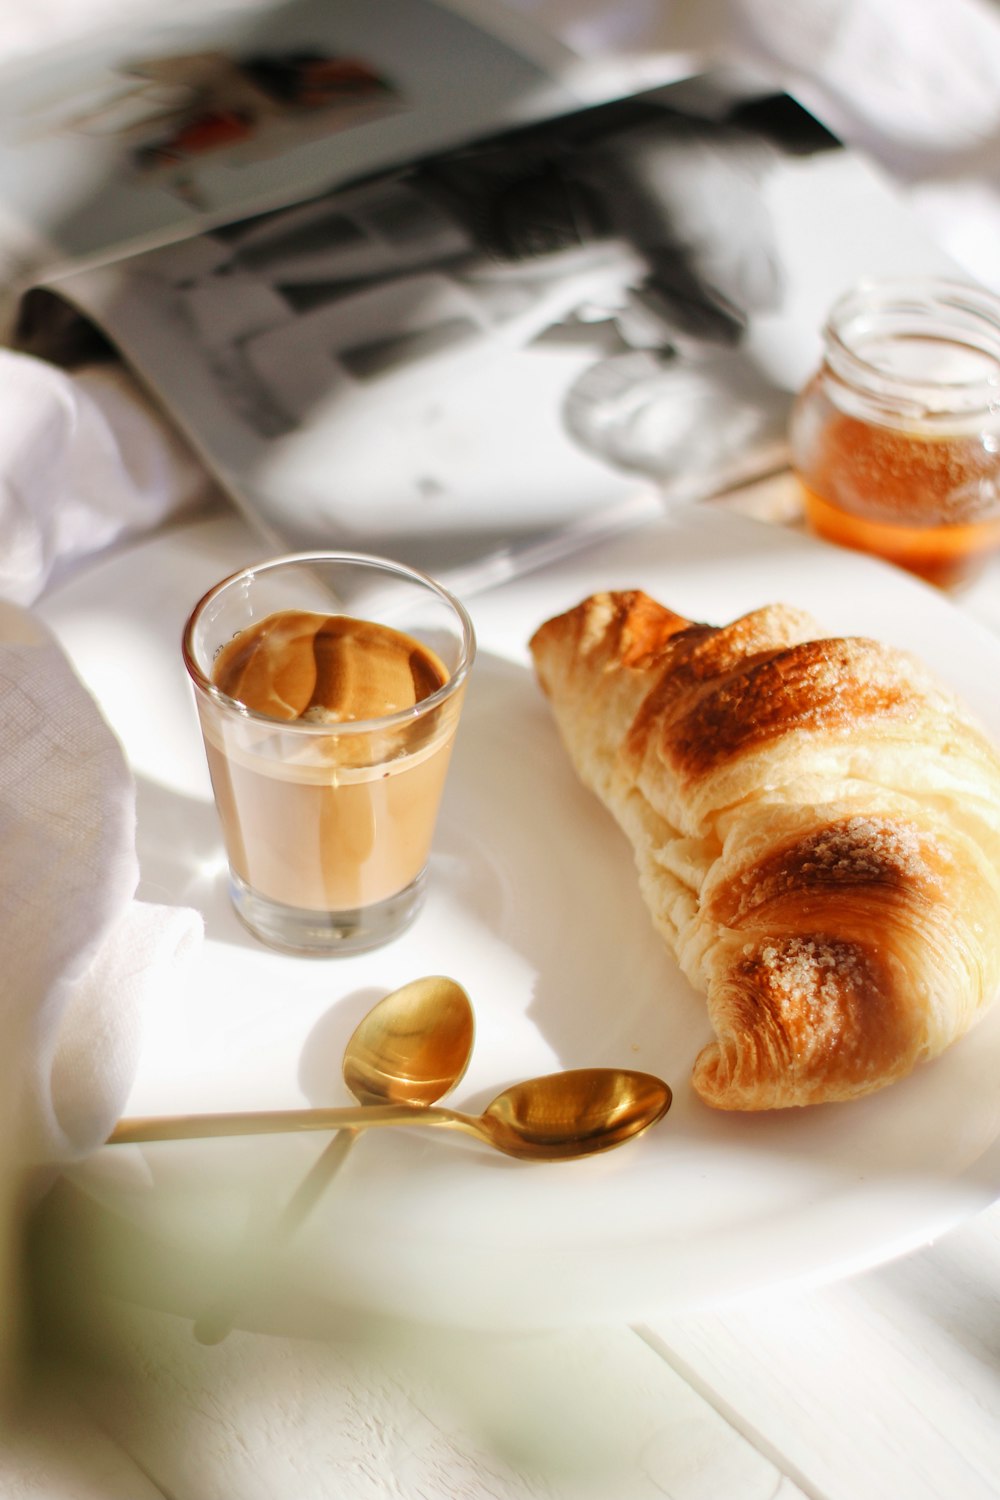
(272, 1122)
(212, 1326)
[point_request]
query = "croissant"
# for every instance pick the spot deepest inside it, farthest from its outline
(816, 825)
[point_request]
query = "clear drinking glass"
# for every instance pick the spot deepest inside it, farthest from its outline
(328, 823)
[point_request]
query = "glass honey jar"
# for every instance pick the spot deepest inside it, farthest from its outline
(896, 438)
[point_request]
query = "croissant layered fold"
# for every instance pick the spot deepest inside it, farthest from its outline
(816, 826)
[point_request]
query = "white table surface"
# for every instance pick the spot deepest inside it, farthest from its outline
(884, 1385)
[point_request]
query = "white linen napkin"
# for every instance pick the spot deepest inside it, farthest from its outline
(86, 460)
(80, 953)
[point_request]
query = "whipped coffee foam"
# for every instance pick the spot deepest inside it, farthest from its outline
(296, 664)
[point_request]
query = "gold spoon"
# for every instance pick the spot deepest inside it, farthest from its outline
(411, 1048)
(553, 1118)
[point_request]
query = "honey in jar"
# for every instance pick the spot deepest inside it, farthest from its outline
(896, 438)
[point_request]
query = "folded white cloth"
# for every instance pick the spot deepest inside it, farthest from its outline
(80, 953)
(914, 86)
(85, 461)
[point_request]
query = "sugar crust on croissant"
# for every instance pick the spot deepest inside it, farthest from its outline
(816, 826)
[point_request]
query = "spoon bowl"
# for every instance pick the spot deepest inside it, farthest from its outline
(576, 1113)
(414, 1046)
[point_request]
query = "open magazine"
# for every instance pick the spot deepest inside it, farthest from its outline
(482, 342)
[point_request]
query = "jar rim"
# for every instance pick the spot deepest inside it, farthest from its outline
(937, 310)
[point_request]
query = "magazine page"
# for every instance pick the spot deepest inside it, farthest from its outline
(554, 329)
(149, 126)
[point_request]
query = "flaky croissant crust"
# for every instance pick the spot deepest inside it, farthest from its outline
(816, 825)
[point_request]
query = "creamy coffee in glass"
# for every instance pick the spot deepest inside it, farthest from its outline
(329, 687)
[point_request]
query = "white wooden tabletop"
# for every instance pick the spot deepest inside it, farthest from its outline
(884, 1385)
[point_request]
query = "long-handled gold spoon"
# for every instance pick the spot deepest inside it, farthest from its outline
(411, 1048)
(553, 1118)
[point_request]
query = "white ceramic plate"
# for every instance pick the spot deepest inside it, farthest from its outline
(534, 908)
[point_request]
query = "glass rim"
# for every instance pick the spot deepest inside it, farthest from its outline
(974, 315)
(336, 727)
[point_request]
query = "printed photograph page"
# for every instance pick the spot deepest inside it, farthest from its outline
(548, 331)
(138, 132)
